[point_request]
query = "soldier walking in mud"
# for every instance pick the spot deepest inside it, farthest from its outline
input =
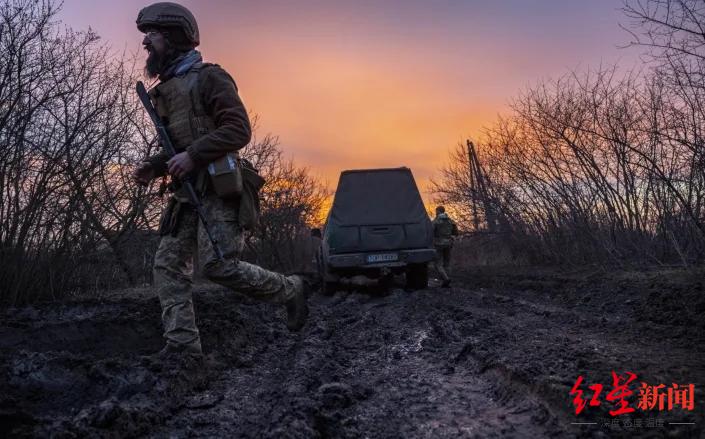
(206, 120)
(444, 229)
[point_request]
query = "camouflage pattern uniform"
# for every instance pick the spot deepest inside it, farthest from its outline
(173, 262)
(443, 230)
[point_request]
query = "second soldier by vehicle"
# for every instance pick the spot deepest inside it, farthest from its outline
(444, 229)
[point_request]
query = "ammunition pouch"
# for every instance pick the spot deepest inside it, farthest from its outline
(226, 176)
(251, 176)
(252, 182)
(247, 180)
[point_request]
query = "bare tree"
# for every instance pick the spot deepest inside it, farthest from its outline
(68, 128)
(71, 128)
(591, 167)
(673, 31)
(291, 201)
(605, 166)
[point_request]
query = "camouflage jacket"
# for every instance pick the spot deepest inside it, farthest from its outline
(444, 229)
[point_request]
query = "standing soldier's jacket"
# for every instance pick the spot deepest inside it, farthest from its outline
(443, 230)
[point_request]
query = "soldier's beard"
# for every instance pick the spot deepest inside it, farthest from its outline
(157, 62)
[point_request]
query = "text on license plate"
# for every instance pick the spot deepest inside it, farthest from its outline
(383, 257)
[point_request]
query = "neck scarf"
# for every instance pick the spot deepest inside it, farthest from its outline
(181, 65)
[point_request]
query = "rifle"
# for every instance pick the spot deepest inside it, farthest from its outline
(169, 147)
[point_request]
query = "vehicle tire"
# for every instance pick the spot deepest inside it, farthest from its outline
(417, 276)
(386, 282)
(329, 288)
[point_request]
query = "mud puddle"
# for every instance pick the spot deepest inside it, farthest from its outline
(470, 361)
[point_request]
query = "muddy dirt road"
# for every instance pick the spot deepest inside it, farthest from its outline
(494, 356)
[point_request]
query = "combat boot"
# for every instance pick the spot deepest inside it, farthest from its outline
(297, 306)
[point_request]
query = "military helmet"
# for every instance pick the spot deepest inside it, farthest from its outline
(167, 14)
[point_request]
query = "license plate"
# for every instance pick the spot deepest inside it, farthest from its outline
(383, 257)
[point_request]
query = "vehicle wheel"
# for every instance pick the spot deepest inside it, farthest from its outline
(386, 281)
(329, 288)
(417, 276)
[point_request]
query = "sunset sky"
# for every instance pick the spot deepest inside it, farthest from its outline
(360, 84)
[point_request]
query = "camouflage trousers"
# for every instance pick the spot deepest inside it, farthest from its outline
(173, 270)
(442, 261)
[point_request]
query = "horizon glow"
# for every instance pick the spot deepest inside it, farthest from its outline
(372, 84)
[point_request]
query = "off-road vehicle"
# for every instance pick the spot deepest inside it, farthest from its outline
(377, 227)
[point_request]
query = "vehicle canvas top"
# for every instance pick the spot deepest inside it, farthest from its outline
(377, 209)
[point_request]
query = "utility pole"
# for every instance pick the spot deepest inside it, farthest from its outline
(478, 190)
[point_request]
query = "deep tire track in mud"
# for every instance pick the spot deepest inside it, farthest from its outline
(461, 362)
(371, 366)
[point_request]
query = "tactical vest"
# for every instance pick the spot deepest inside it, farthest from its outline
(443, 228)
(178, 102)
